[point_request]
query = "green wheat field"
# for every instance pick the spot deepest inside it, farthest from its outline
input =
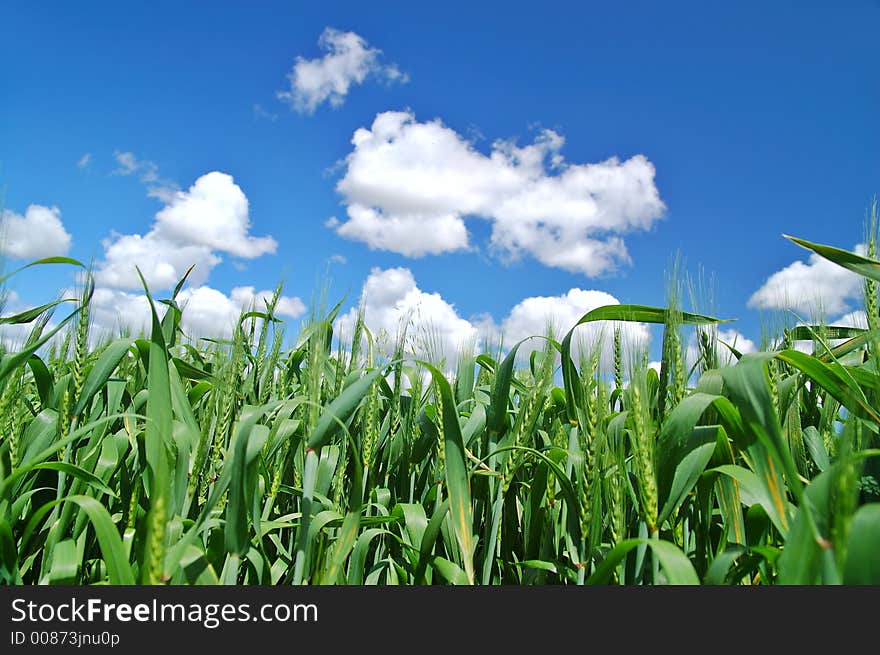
(269, 459)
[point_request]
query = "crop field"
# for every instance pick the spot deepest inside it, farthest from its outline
(270, 460)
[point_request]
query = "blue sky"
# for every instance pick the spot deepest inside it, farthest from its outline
(730, 124)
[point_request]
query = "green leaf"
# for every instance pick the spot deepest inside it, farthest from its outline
(834, 379)
(159, 410)
(450, 571)
(496, 417)
(43, 379)
(429, 538)
(769, 453)
(718, 570)
(688, 471)
(159, 427)
(8, 554)
(676, 567)
(189, 371)
(864, 266)
(816, 446)
(41, 262)
(678, 438)
(457, 478)
(342, 547)
(118, 568)
(31, 314)
(101, 372)
(646, 314)
(809, 332)
(805, 558)
(66, 561)
(340, 410)
(76, 472)
(248, 441)
(755, 491)
(10, 362)
(862, 565)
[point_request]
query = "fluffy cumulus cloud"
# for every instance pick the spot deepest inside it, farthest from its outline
(114, 312)
(538, 315)
(212, 213)
(434, 328)
(36, 234)
(408, 187)
(348, 60)
(162, 262)
(207, 312)
(194, 227)
(817, 287)
(392, 300)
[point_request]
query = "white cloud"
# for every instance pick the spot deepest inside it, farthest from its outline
(857, 319)
(408, 187)
(207, 312)
(815, 288)
(533, 316)
(39, 233)
(211, 217)
(434, 327)
(162, 261)
(113, 311)
(348, 61)
(129, 164)
(261, 112)
(213, 213)
(437, 330)
(148, 172)
(85, 161)
(245, 297)
(337, 259)
(411, 235)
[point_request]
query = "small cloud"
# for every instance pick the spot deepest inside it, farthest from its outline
(128, 163)
(160, 188)
(812, 288)
(85, 161)
(194, 227)
(36, 234)
(331, 222)
(474, 134)
(348, 60)
(260, 112)
(393, 74)
(338, 259)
